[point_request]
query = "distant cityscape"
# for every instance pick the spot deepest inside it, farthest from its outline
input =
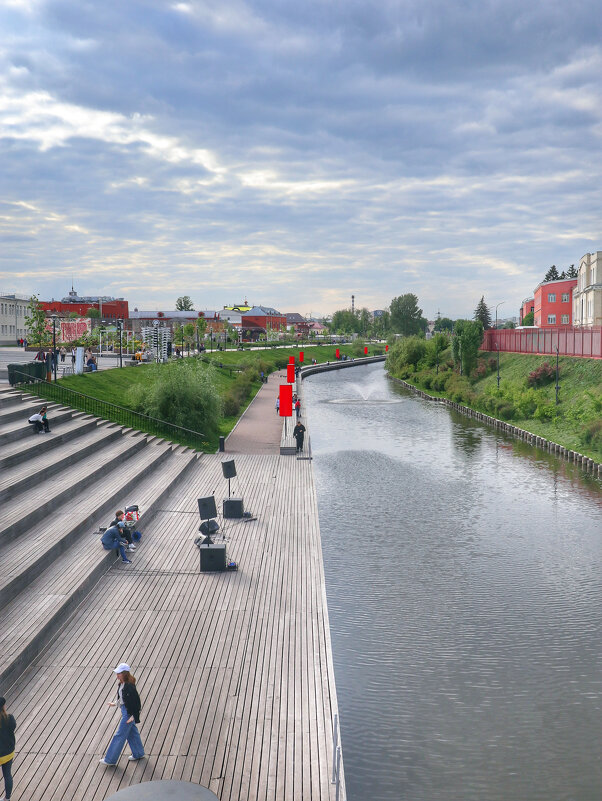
(560, 301)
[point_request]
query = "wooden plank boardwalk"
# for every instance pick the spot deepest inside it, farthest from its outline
(234, 669)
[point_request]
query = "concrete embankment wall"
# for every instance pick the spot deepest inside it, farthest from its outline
(589, 465)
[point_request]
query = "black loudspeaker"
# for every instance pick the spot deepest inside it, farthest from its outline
(233, 507)
(207, 507)
(213, 558)
(229, 469)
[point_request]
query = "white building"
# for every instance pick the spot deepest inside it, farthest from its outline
(587, 295)
(13, 310)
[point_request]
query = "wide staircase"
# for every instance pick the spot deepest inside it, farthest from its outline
(56, 491)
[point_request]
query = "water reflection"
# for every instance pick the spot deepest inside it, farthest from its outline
(463, 578)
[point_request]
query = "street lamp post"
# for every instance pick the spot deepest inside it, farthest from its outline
(54, 359)
(557, 374)
(496, 308)
(497, 347)
(120, 329)
(182, 332)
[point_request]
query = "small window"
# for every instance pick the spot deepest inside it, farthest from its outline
(564, 319)
(551, 319)
(566, 297)
(551, 297)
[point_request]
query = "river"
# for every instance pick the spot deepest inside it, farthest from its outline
(463, 574)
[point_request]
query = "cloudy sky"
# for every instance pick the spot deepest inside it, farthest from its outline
(296, 153)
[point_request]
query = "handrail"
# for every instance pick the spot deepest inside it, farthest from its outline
(111, 411)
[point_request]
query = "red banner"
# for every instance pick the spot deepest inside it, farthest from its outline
(301, 355)
(286, 400)
(290, 373)
(386, 348)
(291, 359)
(337, 353)
(365, 350)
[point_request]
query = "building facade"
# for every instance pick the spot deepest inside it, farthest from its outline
(553, 303)
(13, 310)
(146, 317)
(527, 306)
(587, 296)
(262, 319)
(109, 308)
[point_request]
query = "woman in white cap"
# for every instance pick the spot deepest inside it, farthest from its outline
(128, 701)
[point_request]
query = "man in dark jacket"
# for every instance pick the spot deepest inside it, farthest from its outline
(299, 435)
(113, 539)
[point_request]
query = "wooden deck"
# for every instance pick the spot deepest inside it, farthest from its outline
(234, 669)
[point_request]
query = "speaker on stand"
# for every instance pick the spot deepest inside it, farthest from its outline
(213, 555)
(233, 507)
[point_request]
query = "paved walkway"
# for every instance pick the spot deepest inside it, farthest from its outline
(260, 428)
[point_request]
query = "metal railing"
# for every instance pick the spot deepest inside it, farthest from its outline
(110, 411)
(336, 758)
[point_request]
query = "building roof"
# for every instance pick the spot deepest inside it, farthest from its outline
(294, 317)
(262, 311)
(150, 314)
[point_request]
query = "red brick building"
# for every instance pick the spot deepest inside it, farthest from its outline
(109, 308)
(261, 319)
(553, 303)
(527, 306)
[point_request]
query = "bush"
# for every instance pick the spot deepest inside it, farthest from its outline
(541, 376)
(492, 363)
(183, 393)
(592, 435)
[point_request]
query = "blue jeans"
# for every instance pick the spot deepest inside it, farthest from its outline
(8, 778)
(125, 731)
(121, 551)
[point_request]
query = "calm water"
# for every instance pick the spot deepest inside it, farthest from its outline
(463, 573)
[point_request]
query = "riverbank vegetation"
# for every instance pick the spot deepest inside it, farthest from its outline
(527, 389)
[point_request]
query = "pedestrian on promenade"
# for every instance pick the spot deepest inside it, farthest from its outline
(299, 435)
(128, 702)
(113, 539)
(277, 405)
(298, 408)
(72, 355)
(7, 747)
(63, 353)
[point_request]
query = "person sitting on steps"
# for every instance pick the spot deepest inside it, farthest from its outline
(40, 421)
(113, 539)
(125, 531)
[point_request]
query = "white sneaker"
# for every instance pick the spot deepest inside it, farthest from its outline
(104, 762)
(132, 548)
(132, 758)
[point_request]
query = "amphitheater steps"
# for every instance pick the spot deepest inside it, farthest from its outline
(45, 602)
(56, 491)
(24, 450)
(49, 462)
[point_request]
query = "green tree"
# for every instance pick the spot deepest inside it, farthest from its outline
(444, 324)
(345, 321)
(382, 325)
(184, 303)
(435, 347)
(529, 319)
(552, 274)
(468, 335)
(35, 322)
(572, 272)
(483, 314)
(365, 322)
(405, 315)
(189, 335)
(73, 315)
(93, 313)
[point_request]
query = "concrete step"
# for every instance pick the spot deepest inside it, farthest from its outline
(26, 557)
(9, 398)
(33, 617)
(13, 431)
(20, 514)
(22, 411)
(22, 450)
(36, 469)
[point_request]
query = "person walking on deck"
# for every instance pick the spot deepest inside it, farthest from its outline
(277, 405)
(128, 702)
(299, 435)
(7, 747)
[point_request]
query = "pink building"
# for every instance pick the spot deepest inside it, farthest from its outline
(553, 303)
